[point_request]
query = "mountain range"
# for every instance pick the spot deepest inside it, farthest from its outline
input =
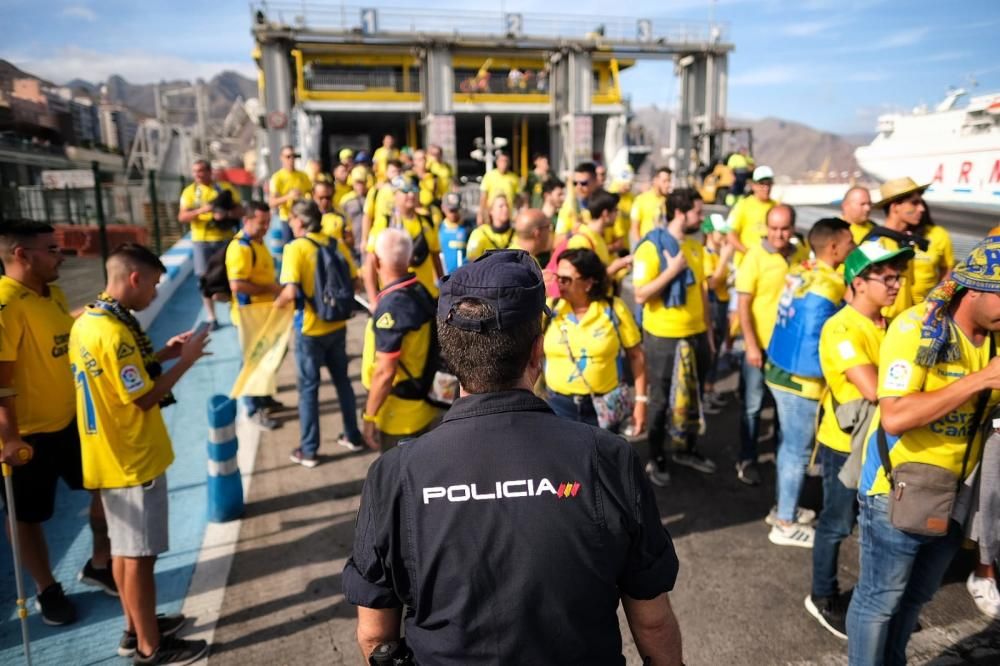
(790, 148)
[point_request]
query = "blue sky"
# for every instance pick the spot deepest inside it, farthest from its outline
(832, 64)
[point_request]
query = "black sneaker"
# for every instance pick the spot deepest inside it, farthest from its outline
(831, 612)
(747, 472)
(167, 624)
(268, 402)
(56, 609)
(102, 578)
(173, 650)
(694, 460)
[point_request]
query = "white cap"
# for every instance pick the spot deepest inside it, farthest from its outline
(763, 173)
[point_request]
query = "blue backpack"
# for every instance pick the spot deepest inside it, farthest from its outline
(333, 288)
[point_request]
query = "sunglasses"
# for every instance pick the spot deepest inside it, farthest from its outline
(581, 183)
(288, 156)
(566, 280)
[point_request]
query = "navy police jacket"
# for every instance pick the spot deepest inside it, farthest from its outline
(509, 535)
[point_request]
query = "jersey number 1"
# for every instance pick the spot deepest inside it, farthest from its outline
(90, 414)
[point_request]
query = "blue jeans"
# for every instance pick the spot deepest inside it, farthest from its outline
(311, 354)
(574, 408)
(835, 523)
(795, 440)
(754, 391)
(900, 572)
(286, 233)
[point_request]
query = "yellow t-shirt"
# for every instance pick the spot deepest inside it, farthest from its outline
(904, 299)
(748, 219)
(860, 230)
(711, 259)
(398, 327)
(379, 201)
(941, 442)
(196, 196)
(569, 215)
(657, 318)
(849, 340)
(414, 226)
(380, 160)
(34, 336)
(443, 174)
(341, 190)
(929, 266)
(284, 181)
(333, 226)
(623, 222)
(121, 444)
(597, 354)
(585, 238)
(485, 238)
(428, 185)
(298, 267)
(251, 261)
(762, 275)
(649, 209)
(495, 183)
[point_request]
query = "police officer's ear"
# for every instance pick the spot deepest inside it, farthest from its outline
(537, 354)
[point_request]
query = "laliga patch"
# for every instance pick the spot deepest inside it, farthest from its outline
(385, 321)
(897, 376)
(131, 378)
(846, 350)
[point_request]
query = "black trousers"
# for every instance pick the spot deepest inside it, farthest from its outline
(660, 354)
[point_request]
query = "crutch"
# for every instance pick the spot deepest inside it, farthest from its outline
(22, 609)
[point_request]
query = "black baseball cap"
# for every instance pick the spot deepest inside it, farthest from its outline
(509, 280)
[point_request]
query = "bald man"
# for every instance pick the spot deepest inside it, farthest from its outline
(855, 209)
(533, 234)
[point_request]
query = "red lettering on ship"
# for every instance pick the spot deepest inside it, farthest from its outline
(939, 174)
(995, 176)
(963, 176)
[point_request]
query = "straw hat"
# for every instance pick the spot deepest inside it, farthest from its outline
(898, 188)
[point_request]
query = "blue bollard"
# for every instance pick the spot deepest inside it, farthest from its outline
(225, 486)
(275, 242)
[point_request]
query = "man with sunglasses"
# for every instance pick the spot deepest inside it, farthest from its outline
(848, 353)
(287, 186)
(748, 218)
(574, 209)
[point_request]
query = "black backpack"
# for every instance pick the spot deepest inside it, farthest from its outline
(435, 385)
(215, 282)
(333, 288)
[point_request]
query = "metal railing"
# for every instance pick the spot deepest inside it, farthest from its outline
(359, 19)
(343, 79)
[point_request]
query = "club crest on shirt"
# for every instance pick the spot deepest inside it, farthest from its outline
(385, 321)
(131, 378)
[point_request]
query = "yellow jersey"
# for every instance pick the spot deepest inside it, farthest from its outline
(485, 238)
(196, 195)
(711, 259)
(930, 266)
(597, 341)
(379, 201)
(333, 225)
(399, 327)
(649, 209)
(428, 185)
(570, 214)
(586, 238)
(380, 160)
(251, 261)
(748, 220)
(861, 229)
(443, 173)
(623, 221)
(34, 336)
(298, 267)
(284, 181)
(416, 227)
(942, 442)
(495, 183)
(762, 275)
(120, 443)
(341, 190)
(849, 340)
(679, 321)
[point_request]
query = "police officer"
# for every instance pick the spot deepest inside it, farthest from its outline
(510, 534)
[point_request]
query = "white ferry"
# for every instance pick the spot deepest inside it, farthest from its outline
(956, 149)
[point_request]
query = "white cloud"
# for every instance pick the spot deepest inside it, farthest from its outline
(79, 12)
(769, 75)
(135, 66)
(907, 37)
(808, 28)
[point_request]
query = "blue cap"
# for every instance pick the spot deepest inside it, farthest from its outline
(361, 156)
(509, 280)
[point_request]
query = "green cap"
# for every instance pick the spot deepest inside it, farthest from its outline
(715, 222)
(868, 254)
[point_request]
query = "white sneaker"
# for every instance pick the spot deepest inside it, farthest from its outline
(658, 474)
(792, 535)
(984, 592)
(803, 516)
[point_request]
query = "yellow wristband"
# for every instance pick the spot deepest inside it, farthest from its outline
(368, 418)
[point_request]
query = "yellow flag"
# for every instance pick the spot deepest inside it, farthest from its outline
(264, 333)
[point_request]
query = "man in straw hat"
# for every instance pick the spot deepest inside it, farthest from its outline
(902, 202)
(474, 525)
(936, 378)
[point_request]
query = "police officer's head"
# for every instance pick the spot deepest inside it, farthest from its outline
(490, 322)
